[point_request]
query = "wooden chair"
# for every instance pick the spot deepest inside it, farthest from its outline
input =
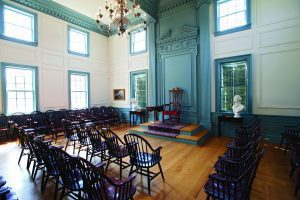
(174, 107)
(98, 186)
(70, 178)
(70, 134)
(143, 157)
(50, 171)
(98, 145)
(117, 150)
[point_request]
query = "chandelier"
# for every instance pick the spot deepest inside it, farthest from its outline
(119, 16)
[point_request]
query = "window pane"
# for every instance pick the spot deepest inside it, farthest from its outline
(231, 14)
(78, 41)
(18, 24)
(140, 89)
(233, 82)
(79, 91)
(19, 90)
(138, 41)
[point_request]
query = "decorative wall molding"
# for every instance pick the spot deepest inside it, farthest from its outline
(184, 33)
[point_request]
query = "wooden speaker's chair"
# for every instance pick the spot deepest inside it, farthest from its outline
(173, 108)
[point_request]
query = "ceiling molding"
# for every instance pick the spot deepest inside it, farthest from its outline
(174, 6)
(149, 6)
(64, 13)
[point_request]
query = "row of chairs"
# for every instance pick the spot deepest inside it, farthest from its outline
(236, 169)
(291, 141)
(101, 141)
(96, 141)
(50, 121)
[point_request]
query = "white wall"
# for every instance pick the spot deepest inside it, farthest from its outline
(274, 42)
(121, 63)
(53, 61)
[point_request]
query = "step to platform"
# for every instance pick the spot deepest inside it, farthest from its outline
(195, 139)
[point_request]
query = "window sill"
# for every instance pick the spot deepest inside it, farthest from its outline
(3, 37)
(78, 54)
(233, 30)
(138, 53)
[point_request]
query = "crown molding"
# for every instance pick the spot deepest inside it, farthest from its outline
(149, 6)
(64, 13)
(185, 33)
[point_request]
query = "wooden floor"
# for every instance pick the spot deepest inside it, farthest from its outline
(186, 168)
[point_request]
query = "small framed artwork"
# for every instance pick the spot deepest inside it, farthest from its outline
(119, 94)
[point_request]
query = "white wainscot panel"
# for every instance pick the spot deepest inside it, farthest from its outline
(99, 46)
(52, 59)
(272, 11)
(54, 88)
(99, 85)
(18, 54)
(279, 80)
(236, 44)
(139, 62)
(78, 63)
(53, 34)
(284, 35)
(99, 67)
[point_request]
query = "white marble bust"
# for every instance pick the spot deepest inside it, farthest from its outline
(237, 106)
(133, 104)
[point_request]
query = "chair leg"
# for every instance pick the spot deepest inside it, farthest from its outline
(62, 193)
(87, 152)
(92, 155)
(67, 145)
(21, 155)
(121, 164)
(131, 168)
(161, 171)
(42, 182)
(107, 163)
(148, 179)
(29, 160)
(56, 187)
(74, 147)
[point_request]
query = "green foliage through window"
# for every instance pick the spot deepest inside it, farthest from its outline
(139, 87)
(233, 77)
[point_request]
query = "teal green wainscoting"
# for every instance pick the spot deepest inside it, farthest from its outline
(272, 125)
(125, 112)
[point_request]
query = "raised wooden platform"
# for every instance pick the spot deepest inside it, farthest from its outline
(191, 134)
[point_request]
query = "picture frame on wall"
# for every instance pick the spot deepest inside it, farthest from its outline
(119, 94)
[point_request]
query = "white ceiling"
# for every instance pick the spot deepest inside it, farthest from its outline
(85, 7)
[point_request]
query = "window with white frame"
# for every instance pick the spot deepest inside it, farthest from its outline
(19, 25)
(232, 14)
(78, 42)
(20, 89)
(138, 40)
(79, 90)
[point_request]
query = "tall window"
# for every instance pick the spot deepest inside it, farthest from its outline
(78, 42)
(232, 15)
(79, 89)
(19, 88)
(233, 78)
(138, 41)
(18, 25)
(139, 91)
